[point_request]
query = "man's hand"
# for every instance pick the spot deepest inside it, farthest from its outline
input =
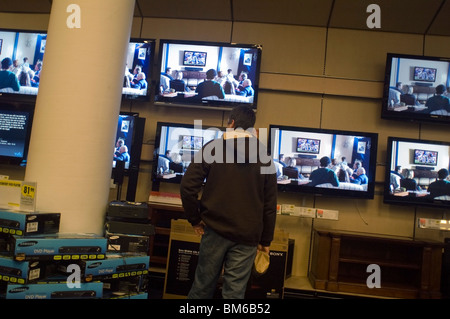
(199, 228)
(264, 249)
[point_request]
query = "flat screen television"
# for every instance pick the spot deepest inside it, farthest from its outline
(138, 70)
(308, 145)
(194, 58)
(423, 157)
(126, 155)
(24, 52)
(15, 131)
(424, 74)
(415, 88)
(128, 141)
(26, 49)
(344, 166)
(175, 147)
(207, 74)
(413, 182)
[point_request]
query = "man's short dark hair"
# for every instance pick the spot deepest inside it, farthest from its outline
(442, 173)
(210, 74)
(440, 89)
(244, 117)
(325, 161)
(6, 63)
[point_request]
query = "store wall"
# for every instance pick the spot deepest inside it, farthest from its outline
(314, 77)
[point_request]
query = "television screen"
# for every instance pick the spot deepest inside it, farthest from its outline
(24, 51)
(22, 54)
(308, 145)
(138, 69)
(423, 157)
(208, 74)
(424, 74)
(175, 147)
(344, 165)
(193, 58)
(415, 88)
(128, 141)
(15, 132)
(415, 174)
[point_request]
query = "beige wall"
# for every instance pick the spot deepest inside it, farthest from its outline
(311, 76)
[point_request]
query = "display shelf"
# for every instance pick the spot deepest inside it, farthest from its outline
(409, 268)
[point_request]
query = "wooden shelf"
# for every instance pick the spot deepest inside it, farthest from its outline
(409, 268)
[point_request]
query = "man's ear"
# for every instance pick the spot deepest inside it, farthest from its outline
(231, 124)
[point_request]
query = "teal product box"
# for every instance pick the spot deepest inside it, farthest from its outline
(28, 223)
(91, 290)
(16, 272)
(58, 247)
(115, 266)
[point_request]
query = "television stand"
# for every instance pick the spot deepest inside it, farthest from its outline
(409, 268)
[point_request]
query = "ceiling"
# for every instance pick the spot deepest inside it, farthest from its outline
(430, 17)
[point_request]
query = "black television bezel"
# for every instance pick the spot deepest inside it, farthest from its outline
(19, 97)
(408, 116)
(155, 180)
(418, 149)
(211, 104)
(194, 65)
(319, 191)
(19, 107)
(406, 200)
(149, 72)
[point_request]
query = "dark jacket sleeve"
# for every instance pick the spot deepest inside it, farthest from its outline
(191, 185)
(270, 209)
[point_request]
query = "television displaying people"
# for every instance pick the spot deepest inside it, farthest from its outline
(8, 79)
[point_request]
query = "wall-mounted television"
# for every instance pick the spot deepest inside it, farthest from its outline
(15, 131)
(212, 75)
(21, 54)
(175, 147)
(24, 50)
(424, 74)
(423, 157)
(191, 142)
(138, 70)
(308, 145)
(344, 166)
(194, 58)
(126, 155)
(416, 88)
(417, 183)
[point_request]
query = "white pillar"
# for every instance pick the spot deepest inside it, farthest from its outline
(77, 109)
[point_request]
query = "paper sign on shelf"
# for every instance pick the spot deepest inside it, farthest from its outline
(18, 195)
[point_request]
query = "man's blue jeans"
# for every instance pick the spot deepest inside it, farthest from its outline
(217, 252)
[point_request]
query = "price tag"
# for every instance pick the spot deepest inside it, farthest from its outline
(28, 196)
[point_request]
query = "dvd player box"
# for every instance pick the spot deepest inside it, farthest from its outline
(115, 266)
(28, 223)
(17, 272)
(125, 227)
(125, 209)
(122, 243)
(60, 246)
(90, 290)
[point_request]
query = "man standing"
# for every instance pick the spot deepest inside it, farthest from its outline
(237, 210)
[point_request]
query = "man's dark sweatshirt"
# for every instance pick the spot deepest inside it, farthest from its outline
(239, 196)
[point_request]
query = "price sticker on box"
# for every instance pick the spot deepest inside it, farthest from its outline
(28, 196)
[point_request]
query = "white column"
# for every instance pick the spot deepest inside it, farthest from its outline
(77, 109)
